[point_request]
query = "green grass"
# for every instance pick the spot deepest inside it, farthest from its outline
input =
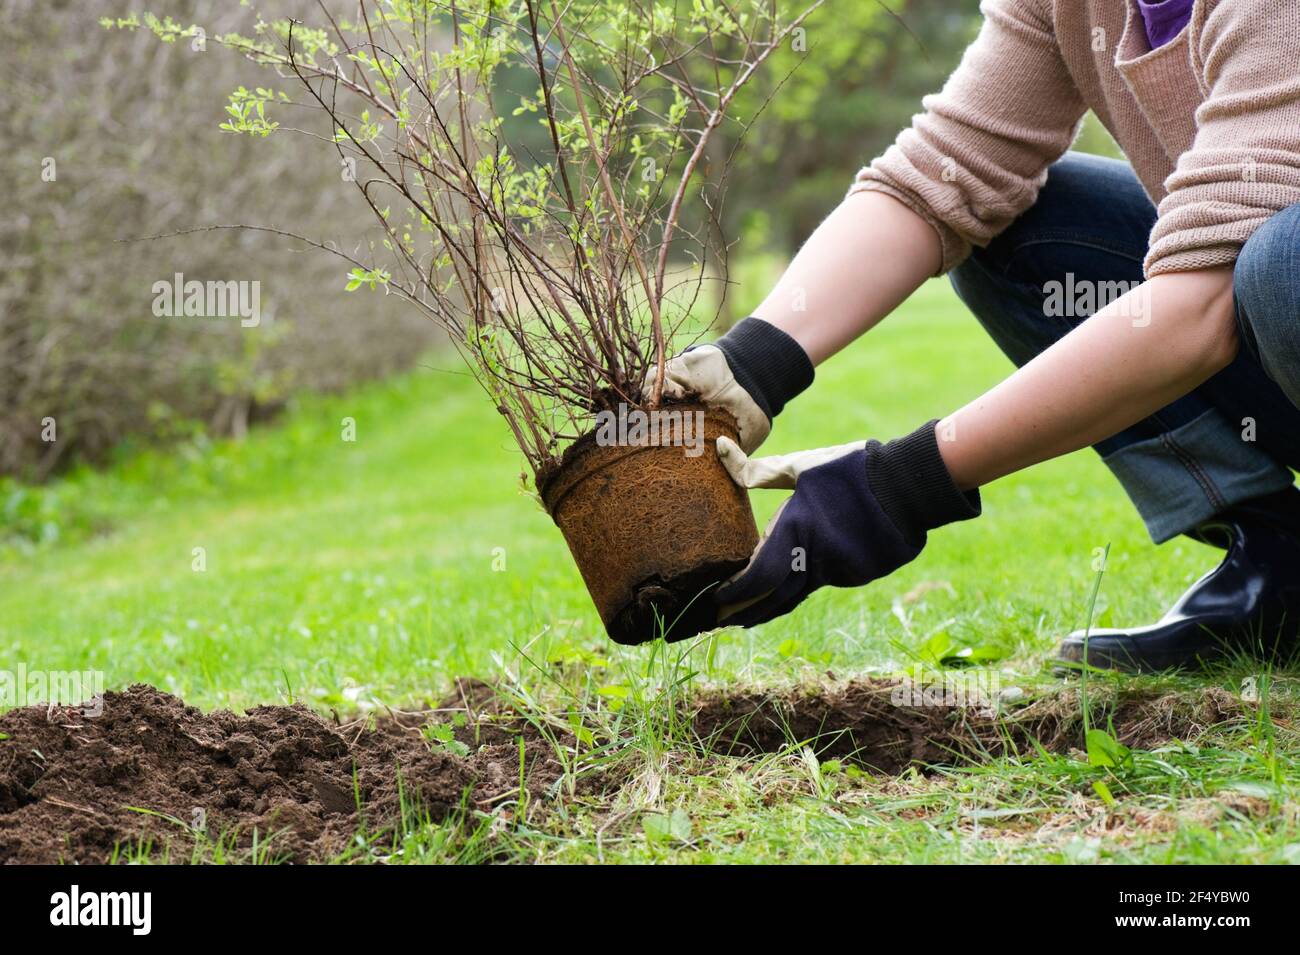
(344, 573)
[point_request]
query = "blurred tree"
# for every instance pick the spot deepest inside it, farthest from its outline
(829, 104)
(837, 103)
(832, 100)
(92, 158)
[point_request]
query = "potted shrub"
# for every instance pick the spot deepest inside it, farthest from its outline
(564, 260)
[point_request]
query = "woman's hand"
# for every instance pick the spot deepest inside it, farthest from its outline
(752, 371)
(867, 257)
(704, 371)
(859, 512)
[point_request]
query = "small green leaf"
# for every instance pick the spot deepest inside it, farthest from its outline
(1106, 751)
(443, 737)
(670, 827)
(934, 650)
(1102, 790)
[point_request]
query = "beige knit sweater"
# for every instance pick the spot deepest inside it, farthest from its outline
(1210, 122)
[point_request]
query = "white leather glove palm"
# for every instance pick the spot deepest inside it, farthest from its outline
(704, 371)
(752, 371)
(779, 471)
(859, 511)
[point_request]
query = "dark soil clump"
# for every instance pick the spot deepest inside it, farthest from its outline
(862, 721)
(72, 787)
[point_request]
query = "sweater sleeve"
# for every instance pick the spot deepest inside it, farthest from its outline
(977, 156)
(1244, 163)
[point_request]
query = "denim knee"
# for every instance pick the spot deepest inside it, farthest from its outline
(1266, 287)
(974, 284)
(1001, 307)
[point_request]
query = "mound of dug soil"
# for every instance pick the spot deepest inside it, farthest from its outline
(865, 722)
(71, 787)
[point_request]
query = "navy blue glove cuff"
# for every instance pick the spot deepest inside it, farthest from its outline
(913, 486)
(767, 363)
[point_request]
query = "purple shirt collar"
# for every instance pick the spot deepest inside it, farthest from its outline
(1164, 19)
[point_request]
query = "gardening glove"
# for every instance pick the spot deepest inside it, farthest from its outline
(752, 371)
(859, 512)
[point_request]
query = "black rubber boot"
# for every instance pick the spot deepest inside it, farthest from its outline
(1249, 604)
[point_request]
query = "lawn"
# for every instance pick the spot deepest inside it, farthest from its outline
(358, 574)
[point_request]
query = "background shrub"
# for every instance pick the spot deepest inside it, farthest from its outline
(129, 128)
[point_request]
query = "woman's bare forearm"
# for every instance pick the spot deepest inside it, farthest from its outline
(868, 255)
(1130, 359)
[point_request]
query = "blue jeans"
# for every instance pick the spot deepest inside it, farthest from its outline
(1235, 437)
